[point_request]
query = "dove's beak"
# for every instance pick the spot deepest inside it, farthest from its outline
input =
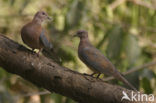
(49, 18)
(75, 35)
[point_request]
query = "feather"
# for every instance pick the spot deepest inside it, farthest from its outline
(45, 41)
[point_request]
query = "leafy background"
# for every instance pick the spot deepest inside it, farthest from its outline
(125, 33)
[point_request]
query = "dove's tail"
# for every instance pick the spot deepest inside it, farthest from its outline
(121, 78)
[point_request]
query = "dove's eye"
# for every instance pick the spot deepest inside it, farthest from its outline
(43, 13)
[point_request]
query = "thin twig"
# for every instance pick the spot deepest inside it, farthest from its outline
(116, 3)
(35, 93)
(134, 69)
(144, 4)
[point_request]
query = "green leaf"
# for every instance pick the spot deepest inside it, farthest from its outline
(12, 2)
(75, 13)
(132, 48)
(115, 39)
(148, 73)
(147, 85)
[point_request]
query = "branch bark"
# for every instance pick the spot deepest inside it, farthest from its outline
(45, 73)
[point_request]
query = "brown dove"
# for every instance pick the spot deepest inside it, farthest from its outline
(33, 35)
(95, 60)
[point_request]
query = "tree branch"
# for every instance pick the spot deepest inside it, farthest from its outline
(45, 73)
(116, 3)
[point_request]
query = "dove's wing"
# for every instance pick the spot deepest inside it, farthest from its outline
(95, 59)
(45, 41)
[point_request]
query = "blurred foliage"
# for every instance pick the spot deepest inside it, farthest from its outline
(126, 35)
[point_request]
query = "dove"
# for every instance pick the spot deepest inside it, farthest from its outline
(33, 34)
(95, 60)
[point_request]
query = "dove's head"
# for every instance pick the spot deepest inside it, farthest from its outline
(81, 34)
(41, 16)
